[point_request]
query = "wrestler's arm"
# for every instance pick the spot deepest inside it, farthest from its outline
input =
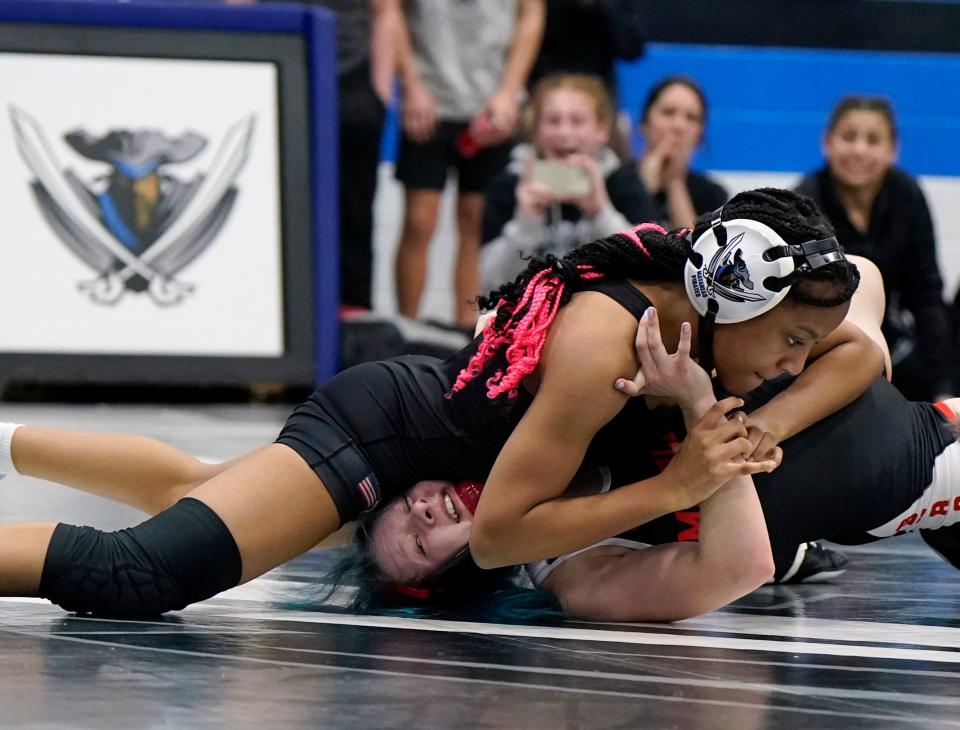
(840, 368)
(676, 580)
(522, 515)
(868, 305)
(673, 581)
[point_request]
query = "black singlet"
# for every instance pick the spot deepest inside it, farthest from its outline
(376, 429)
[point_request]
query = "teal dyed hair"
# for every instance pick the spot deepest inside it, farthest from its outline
(354, 585)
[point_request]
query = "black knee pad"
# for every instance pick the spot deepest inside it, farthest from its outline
(182, 555)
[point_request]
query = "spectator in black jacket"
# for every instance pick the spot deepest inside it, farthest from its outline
(672, 122)
(880, 213)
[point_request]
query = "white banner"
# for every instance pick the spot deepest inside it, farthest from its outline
(140, 207)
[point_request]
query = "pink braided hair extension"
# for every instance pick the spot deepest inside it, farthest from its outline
(523, 351)
(485, 350)
(634, 234)
(527, 335)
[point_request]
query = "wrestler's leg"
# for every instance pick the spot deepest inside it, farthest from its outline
(141, 472)
(23, 549)
(274, 505)
(945, 541)
(264, 509)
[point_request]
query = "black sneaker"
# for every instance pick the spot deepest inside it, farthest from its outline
(815, 564)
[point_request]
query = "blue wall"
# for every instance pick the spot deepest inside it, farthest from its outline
(768, 106)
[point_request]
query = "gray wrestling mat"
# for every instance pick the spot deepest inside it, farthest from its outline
(880, 648)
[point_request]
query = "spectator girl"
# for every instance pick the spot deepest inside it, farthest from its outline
(880, 213)
(672, 124)
(570, 118)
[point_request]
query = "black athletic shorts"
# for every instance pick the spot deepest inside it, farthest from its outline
(333, 454)
(425, 166)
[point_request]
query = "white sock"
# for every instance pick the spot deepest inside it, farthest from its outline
(6, 439)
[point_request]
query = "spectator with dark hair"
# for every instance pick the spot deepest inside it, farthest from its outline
(463, 69)
(672, 122)
(880, 213)
(531, 208)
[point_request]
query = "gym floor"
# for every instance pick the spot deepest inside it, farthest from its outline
(879, 648)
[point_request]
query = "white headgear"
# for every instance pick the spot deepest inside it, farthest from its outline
(738, 269)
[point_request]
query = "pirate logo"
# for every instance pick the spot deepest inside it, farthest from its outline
(137, 226)
(727, 274)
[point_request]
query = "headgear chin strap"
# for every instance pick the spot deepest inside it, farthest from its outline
(739, 269)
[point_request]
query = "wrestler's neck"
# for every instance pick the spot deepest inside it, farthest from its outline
(673, 309)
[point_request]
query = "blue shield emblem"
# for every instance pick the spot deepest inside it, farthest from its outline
(137, 225)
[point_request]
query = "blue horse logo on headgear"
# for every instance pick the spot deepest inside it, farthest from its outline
(728, 276)
(138, 225)
(734, 274)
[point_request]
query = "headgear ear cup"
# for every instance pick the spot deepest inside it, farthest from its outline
(735, 273)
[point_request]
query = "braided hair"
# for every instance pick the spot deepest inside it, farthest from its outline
(527, 306)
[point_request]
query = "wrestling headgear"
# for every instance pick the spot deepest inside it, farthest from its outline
(738, 269)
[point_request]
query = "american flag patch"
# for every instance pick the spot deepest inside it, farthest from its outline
(369, 489)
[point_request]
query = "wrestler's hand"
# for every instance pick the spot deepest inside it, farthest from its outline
(764, 441)
(675, 376)
(713, 453)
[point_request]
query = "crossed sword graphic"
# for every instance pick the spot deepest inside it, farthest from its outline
(163, 288)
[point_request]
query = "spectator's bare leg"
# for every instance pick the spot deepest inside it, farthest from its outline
(466, 275)
(420, 221)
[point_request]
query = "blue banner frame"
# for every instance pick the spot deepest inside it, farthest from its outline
(318, 30)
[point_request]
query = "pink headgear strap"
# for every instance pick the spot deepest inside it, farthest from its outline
(634, 234)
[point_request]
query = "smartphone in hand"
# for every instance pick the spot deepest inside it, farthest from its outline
(570, 181)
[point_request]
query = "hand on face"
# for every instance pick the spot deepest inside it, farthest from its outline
(651, 169)
(672, 129)
(665, 163)
(676, 163)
